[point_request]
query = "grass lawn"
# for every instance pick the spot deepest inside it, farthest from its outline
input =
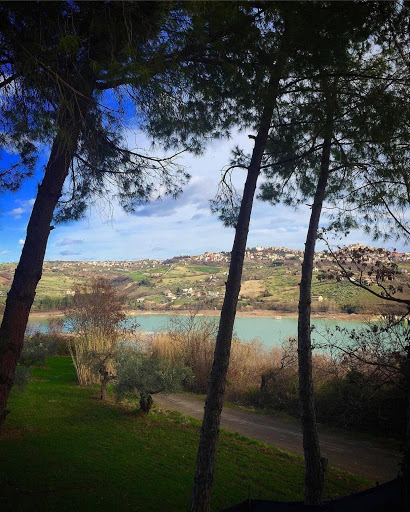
(63, 449)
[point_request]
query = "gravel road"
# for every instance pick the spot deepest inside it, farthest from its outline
(369, 459)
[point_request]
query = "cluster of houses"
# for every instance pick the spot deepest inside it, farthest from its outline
(258, 253)
(274, 254)
(210, 289)
(189, 292)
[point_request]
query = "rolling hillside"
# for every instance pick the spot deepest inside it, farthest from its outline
(270, 282)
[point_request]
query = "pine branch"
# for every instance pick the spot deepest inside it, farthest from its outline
(8, 80)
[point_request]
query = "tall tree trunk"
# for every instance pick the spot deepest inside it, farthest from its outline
(29, 270)
(315, 465)
(203, 479)
(404, 473)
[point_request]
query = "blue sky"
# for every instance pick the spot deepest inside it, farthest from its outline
(163, 228)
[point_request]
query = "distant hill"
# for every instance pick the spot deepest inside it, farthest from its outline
(270, 281)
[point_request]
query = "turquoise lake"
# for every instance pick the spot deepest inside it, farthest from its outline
(271, 331)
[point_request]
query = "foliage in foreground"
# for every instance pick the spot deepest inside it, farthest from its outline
(147, 375)
(358, 375)
(67, 451)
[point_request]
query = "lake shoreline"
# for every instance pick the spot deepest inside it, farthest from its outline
(266, 326)
(255, 313)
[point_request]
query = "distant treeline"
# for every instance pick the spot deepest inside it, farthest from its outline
(51, 303)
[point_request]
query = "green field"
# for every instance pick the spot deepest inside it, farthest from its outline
(283, 287)
(63, 449)
(137, 276)
(205, 270)
(56, 285)
(264, 285)
(343, 293)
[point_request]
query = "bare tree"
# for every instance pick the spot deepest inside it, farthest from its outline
(96, 319)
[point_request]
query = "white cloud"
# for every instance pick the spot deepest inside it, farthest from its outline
(171, 227)
(70, 253)
(3, 253)
(69, 241)
(21, 241)
(24, 207)
(17, 212)
(197, 193)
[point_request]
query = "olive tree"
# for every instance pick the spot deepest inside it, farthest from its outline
(138, 372)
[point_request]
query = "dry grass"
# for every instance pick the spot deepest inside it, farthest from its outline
(191, 341)
(253, 289)
(82, 350)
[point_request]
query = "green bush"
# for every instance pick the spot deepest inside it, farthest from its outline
(21, 378)
(146, 282)
(349, 309)
(60, 344)
(280, 394)
(147, 375)
(359, 403)
(35, 351)
(38, 347)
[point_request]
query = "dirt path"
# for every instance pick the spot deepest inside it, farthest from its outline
(365, 458)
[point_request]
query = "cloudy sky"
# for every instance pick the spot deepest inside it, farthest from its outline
(163, 228)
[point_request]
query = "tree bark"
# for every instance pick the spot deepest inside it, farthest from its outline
(104, 383)
(315, 465)
(29, 270)
(203, 479)
(146, 402)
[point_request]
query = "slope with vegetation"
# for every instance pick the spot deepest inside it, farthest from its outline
(268, 283)
(65, 449)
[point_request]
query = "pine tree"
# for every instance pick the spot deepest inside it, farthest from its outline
(63, 66)
(328, 146)
(303, 33)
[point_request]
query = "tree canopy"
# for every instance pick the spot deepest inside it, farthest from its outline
(99, 56)
(73, 73)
